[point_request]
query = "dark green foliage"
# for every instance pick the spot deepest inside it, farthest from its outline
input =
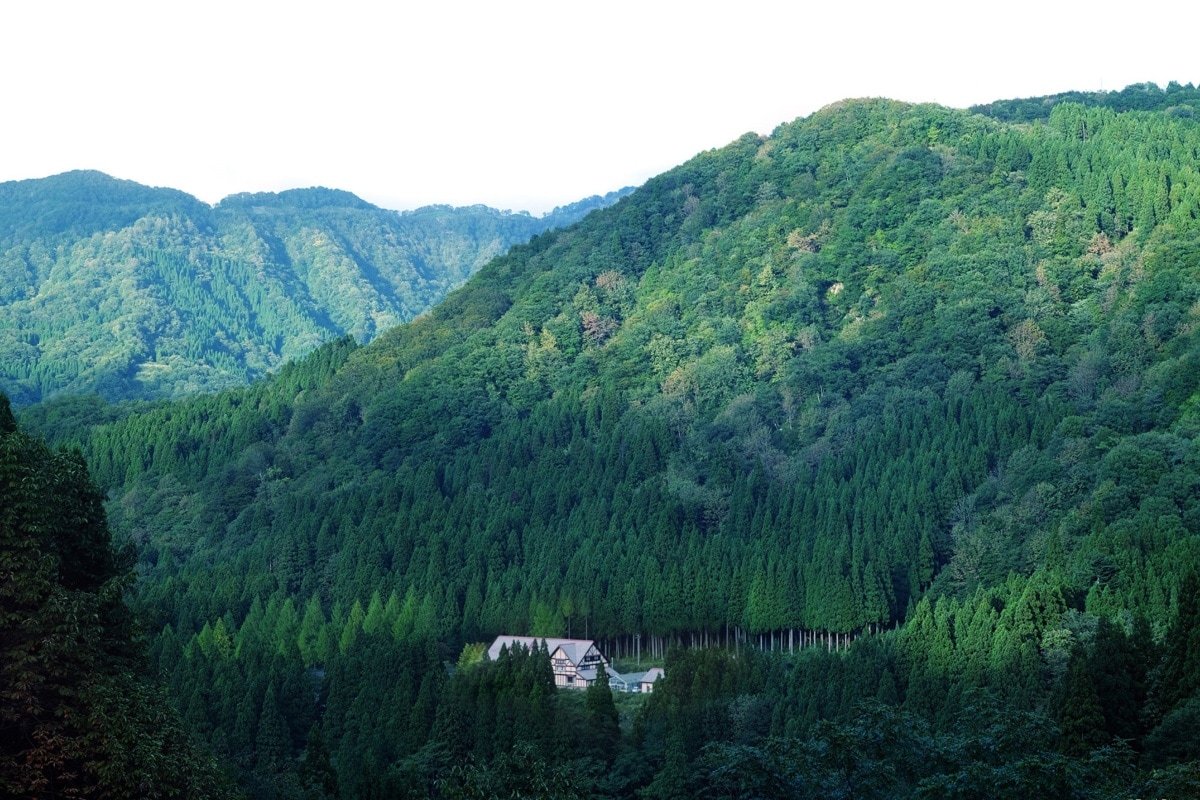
(1174, 740)
(984, 748)
(604, 732)
(903, 396)
(77, 716)
(1175, 100)
(316, 773)
(1179, 678)
(517, 773)
(1118, 668)
(1081, 718)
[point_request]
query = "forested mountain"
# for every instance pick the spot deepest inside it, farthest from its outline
(110, 287)
(1176, 100)
(884, 426)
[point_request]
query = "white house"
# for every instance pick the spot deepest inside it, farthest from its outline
(574, 661)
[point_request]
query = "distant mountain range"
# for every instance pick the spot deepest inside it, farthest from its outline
(128, 291)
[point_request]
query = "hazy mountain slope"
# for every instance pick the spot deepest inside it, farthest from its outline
(111, 287)
(893, 368)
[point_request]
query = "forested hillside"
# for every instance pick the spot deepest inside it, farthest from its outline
(892, 414)
(126, 291)
(79, 717)
(1176, 100)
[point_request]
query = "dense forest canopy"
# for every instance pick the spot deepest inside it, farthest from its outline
(130, 292)
(1176, 100)
(883, 427)
(79, 716)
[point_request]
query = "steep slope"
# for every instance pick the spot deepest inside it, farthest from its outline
(762, 321)
(131, 292)
(892, 367)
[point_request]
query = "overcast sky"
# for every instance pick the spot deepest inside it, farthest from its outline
(519, 105)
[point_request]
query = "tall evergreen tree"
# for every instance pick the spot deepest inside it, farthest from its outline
(1081, 719)
(604, 731)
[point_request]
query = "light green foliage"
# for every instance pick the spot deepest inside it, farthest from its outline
(471, 655)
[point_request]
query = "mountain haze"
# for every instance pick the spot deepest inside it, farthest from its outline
(110, 287)
(880, 432)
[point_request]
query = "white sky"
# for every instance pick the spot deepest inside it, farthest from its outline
(520, 105)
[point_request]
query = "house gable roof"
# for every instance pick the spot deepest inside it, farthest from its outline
(649, 676)
(572, 649)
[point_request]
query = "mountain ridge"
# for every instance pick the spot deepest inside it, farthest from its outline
(134, 292)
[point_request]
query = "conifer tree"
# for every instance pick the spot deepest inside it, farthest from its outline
(1179, 676)
(1081, 720)
(271, 743)
(604, 732)
(318, 779)
(77, 716)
